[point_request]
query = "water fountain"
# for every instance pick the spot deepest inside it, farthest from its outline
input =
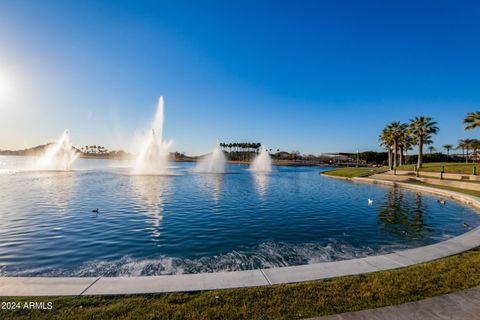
(153, 156)
(213, 162)
(59, 156)
(263, 162)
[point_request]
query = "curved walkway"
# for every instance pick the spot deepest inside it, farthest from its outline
(464, 305)
(43, 286)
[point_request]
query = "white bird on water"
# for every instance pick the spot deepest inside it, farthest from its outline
(370, 201)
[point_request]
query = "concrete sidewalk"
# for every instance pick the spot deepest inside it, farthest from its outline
(464, 305)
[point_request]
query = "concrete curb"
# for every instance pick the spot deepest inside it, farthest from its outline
(42, 286)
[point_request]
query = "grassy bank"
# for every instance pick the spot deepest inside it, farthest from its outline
(294, 301)
(352, 172)
(450, 167)
(469, 192)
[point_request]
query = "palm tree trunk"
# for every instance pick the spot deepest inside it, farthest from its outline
(395, 153)
(420, 152)
(401, 156)
(466, 158)
(389, 152)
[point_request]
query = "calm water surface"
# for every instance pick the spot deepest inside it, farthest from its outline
(189, 222)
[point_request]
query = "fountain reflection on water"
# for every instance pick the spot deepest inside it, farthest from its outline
(154, 152)
(261, 183)
(214, 183)
(59, 156)
(213, 162)
(152, 192)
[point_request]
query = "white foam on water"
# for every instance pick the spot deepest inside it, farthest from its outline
(265, 255)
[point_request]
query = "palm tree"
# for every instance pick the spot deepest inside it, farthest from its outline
(461, 145)
(447, 147)
(405, 144)
(475, 147)
(465, 145)
(472, 120)
(386, 141)
(422, 128)
(431, 149)
(408, 144)
(397, 131)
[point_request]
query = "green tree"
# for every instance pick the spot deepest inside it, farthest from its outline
(447, 148)
(407, 144)
(475, 147)
(397, 131)
(386, 141)
(472, 120)
(465, 145)
(422, 128)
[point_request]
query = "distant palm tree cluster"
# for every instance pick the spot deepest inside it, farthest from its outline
(241, 146)
(398, 138)
(243, 151)
(466, 145)
(94, 150)
(471, 121)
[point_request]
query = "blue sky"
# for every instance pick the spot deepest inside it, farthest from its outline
(313, 76)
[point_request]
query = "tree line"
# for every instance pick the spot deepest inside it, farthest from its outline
(398, 138)
(240, 146)
(94, 149)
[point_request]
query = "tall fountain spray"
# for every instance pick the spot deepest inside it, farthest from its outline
(59, 156)
(214, 162)
(262, 162)
(154, 152)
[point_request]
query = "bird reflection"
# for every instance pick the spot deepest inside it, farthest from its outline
(151, 192)
(261, 183)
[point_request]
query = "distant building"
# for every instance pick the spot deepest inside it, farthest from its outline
(339, 157)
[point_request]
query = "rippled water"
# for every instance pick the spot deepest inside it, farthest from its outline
(190, 222)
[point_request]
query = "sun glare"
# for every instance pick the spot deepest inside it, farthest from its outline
(5, 86)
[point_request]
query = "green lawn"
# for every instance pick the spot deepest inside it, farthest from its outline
(450, 167)
(470, 192)
(293, 301)
(352, 172)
